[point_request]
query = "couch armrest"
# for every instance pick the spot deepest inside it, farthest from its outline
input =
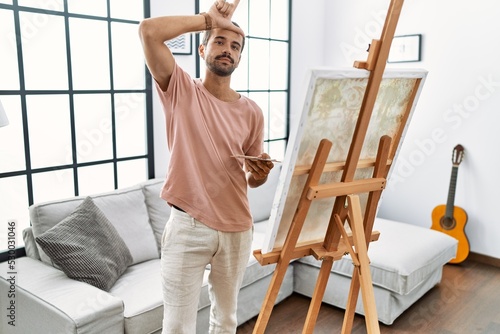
(30, 243)
(45, 300)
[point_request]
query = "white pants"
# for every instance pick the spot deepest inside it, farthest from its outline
(188, 246)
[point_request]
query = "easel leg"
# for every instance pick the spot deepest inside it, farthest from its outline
(272, 294)
(351, 303)
(370, 212)
(317, 298)
(363, 271)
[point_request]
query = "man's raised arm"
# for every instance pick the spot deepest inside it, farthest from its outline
(154, 32)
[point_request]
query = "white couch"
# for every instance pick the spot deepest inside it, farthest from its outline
(406, 262)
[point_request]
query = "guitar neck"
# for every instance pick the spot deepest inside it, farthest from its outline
(450, 204)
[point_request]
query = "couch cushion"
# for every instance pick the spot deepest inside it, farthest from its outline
(87, 247)
(141, 292)
(261, 198)
(403, 257)
(158, 209)
(124, 208)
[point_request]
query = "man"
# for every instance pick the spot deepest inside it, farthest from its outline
(207, 124)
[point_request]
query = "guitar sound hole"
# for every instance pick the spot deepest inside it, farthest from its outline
(448, 223)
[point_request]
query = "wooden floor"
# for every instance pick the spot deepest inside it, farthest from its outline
(467, 301)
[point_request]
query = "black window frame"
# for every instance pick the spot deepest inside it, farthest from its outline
(22, 92)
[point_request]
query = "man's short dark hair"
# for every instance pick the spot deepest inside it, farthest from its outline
(208, 33)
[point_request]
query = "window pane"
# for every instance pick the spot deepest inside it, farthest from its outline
(95, 179)
(239, 79)
(130, 117)
(129, 71)
(9, 78)
(49, 130)
(51, 5)
(240, 15)
(11, 136)
(44, 51)
(89, 54)
(276, 149)
(262, 100)
(127, 9)
(259, 18)
(8, 2)
(13, 205)
(279, 22)
(132, 172)
(277, 115)
(52, 186)
(93, 127)
(258, 64)
(279, 59)
(88, 7)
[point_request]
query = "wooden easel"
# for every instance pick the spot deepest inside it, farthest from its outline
(337, 241)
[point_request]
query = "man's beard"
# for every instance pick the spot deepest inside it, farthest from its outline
(222, 71)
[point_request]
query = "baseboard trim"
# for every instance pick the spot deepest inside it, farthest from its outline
(485, 259)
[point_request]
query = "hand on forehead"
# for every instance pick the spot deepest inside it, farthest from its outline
(221, 12)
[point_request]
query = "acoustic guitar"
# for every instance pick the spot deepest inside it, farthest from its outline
(451, 219)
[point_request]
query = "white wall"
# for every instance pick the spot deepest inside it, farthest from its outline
(460, 99)
(308, 49)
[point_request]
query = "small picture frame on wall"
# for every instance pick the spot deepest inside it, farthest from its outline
(180, 45)
(405, 49)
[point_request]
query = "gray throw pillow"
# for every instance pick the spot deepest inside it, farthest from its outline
(87, 247)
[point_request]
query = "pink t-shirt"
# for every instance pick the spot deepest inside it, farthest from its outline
(203, 133)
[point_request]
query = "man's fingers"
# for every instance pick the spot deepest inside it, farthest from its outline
(235, 3)
(223, 7)
(251, 165)
(226, 8)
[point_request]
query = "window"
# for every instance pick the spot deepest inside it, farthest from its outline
(263, 73)
(75, 89)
